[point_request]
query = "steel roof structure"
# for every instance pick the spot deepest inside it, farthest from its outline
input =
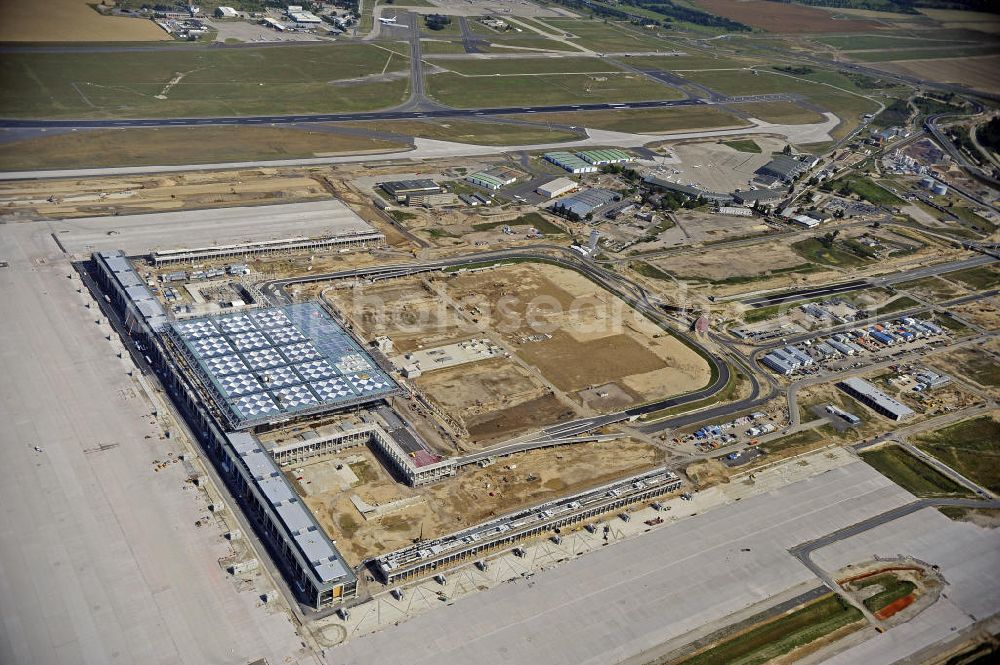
(266, 365)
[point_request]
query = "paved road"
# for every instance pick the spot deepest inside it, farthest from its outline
(855, 285)
(336, 117)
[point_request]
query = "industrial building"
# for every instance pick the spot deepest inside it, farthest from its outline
(804, 221)
(784, 167)
(762, 196)
(556, 187)
(875, 399)
(718, 198)
(277, 364)
(585, 202)
(226, 12)
(602, 157)
(494, 178)
(505, 531)
(400, 190)
(265, 247)
(570, 162)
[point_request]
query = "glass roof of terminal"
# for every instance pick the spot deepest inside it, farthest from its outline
(266, 364)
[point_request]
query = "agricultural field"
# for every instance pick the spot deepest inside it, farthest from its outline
(202, 82)
(971, 447)
(72, 21)
(911, 474)
(180, 145)
(976, 72)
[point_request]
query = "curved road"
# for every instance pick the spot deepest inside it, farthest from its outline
(616, 284)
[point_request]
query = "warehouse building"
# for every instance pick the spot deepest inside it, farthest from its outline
(570, 162)
(762, 196)
(494, 178)
(400, 190)
(602, 157)
(687, 190)
(556, 187)
(585, 202)
(226, 12)
(875, 399)
(783, 167)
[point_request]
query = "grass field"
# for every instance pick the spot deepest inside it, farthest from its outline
(977, 279)
(786, 633)
(523, 41)
(609, 37)
(470, 131)
(814, 251)
(911, 474)
(532, 218)
(743, 145)
(866, 189)
(893, 589)
(178, 145)
(878, 42)
(971, 447)
(643, 120)
(472, 92)
(805, 438)
(435, 47)
(527, 65)
(845, 104)
(894, 55)
(689, 61)
(898, 305)
(199, 82)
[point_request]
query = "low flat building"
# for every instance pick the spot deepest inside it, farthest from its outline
(602, 157)
(494, 178)
(570, 162)
(752, 196)
(783, 167)
(875, 399)
(226, 12)
(585, 202)
(556, 187)
(689, 191)
(400, 190)
(804, 221)
(735, 211)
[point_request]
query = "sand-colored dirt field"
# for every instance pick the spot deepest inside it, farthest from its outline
(470, 497)
(156, 193)
(977, 72)
(71, 21)
(724, 263)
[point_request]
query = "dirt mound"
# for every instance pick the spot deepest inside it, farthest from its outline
(707, 472)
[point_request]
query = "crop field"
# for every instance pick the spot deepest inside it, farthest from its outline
(540, 89)
(202, 82)
(977, 72)
(780, 17)
(71, 21)
(936, 53)
(911, 474)
(644, 120)
(178, 145)
(970, 447)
